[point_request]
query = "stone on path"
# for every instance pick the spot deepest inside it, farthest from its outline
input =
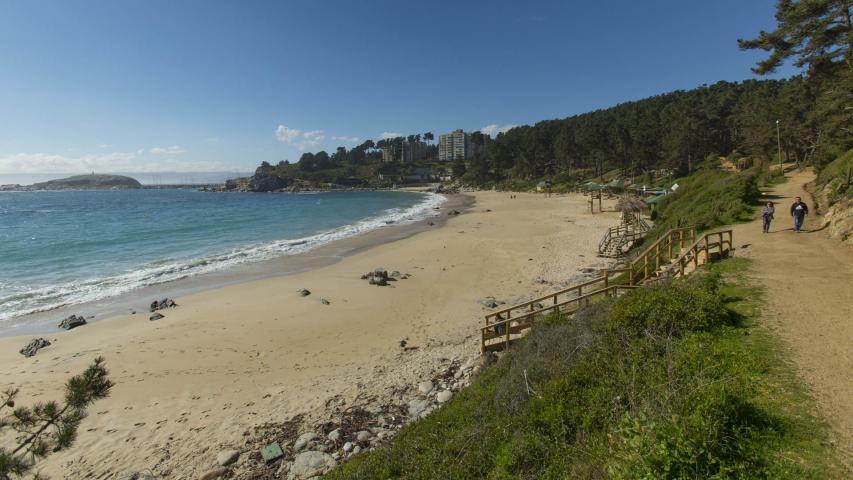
(444, 396)
(214, 474)
(227, 457)
(417, 406)
(303, 440)
(156, 316)
(425, 387)
(311, 464)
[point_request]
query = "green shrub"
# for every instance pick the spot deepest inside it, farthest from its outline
(708, 199)
(671, 307)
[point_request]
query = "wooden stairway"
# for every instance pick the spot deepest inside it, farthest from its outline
(618, 240)
(676, 253)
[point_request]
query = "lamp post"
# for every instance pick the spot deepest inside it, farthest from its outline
(779, 143)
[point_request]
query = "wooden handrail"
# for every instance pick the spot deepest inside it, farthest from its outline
(695, 248)
(666, 236)
(530, 316)
(605, 278)
(658, 254)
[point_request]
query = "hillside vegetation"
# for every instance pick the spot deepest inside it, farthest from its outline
(710, 198)
(672, 381)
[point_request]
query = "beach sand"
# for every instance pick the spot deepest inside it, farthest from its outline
(193, 383)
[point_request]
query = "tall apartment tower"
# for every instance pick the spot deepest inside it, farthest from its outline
(454, 145)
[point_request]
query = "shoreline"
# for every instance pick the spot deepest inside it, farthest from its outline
(234, 358)
(138, 300)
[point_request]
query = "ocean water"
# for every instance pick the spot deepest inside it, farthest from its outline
(69, 247)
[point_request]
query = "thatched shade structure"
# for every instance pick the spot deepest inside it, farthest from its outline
(630, 204)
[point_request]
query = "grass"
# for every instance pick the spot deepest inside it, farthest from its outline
(676, 380)
(709, 198)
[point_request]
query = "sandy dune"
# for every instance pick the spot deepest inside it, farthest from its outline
(226, 359)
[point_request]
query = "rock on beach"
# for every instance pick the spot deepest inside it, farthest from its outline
(34, 346)
(72, 321)
(311, 464)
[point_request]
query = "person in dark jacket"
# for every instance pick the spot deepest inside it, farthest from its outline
(799, 210)
(767, 215)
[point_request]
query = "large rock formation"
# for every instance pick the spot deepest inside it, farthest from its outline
(265, 182)
(89, 182)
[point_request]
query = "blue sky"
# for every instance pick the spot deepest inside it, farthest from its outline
(208, 86)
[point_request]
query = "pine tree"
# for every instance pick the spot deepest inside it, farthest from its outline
(817, 34)
(48, 427)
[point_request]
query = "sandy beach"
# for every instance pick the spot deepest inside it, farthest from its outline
(229, 358)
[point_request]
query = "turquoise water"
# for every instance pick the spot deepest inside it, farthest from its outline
(69, 247)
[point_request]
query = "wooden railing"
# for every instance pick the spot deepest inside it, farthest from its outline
(670, 255)
(660, 253)
(719, 243)
(499, 334)
(555, 298)
(630, 232)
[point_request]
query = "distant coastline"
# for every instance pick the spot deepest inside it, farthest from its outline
(80, 182)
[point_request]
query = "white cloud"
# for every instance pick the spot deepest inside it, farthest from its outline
(493, 130)
(299, 139)
(104, 145)
(346, 139)
(168, 151)
(212, 139)
(286, 134)
(387, 135)
(101, 162)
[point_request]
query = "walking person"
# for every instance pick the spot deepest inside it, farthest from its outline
(799, 210)
(767, 215)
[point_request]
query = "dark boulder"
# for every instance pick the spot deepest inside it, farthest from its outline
(162, 304)
(72, 321)
(156, 316)
(34, 346)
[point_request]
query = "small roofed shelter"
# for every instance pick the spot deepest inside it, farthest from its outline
(615, 186)
(591, 187)
(593, 190)
(653, 201)
(631, 207)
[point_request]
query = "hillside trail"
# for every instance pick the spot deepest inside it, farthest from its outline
(809, 291)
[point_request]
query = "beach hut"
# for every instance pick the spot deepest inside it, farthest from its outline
(631, 207)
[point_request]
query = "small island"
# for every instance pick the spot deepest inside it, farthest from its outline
(82, 182)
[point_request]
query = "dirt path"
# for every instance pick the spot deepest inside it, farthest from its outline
(809, 281)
